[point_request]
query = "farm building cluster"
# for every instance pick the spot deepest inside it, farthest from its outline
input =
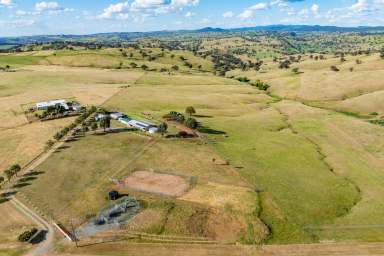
(53, 109)
(68, 106)
(124, 119)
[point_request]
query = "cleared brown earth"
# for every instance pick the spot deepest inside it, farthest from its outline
(156, 183)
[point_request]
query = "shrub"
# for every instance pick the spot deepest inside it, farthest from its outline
(295, 71)
(243, 79)
(25, 236)
(163, 127)
(261, 85)
(175, 116)
(334, 68)
(191, 123)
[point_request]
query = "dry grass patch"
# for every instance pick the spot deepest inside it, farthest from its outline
(233, 198)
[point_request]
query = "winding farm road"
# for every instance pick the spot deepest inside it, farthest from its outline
(45, 246)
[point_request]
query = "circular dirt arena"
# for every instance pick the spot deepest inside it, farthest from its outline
(156, 183)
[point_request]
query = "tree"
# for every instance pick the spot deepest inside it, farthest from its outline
(163, 127)
(133, 65)
(191, 123)
(15, 169)
(334, 68)
(105, 122)
(190, 111)
(49, 144)
(295, 70)
(58, 136)
(9, 174)
(175, 68)
(382, 53)
(94, 126)
(1, 179)
(144, 67)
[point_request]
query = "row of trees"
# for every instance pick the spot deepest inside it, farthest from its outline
(10, 172)
(79, 120)
(259, 84)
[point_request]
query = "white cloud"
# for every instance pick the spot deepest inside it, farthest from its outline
(259, 6)
(205, 21)
(45, 6)
(16, 23)
(113, 9)
(189, 14)
(5, 2)
(146, 8)
(228, 14)
(315, 8)
(246, 14)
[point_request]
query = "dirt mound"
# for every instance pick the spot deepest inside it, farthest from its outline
(156, 183)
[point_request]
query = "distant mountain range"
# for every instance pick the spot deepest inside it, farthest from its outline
(123, 36)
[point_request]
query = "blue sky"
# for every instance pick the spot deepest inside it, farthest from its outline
(33, 17)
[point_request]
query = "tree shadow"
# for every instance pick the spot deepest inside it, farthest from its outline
(26, 179)
(202, 116)
(21, 185)
(4, 200)
(39, 237)
(33, 173)
(207, 130)
(72, 139)
(63, 147)
(8, 194)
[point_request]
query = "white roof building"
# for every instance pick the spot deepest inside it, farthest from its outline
(144, 126)
(52, 103)
(116, 115)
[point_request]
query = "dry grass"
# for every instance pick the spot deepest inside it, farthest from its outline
(13, 223)
(226, 197)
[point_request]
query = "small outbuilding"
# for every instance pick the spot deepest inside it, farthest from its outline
(116, 115)
(113, 195)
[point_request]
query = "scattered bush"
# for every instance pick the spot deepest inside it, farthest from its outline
(261, 85)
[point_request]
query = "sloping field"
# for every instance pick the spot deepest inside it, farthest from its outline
(299, 189)
(81, 173)
(354, 150)
(358, 91)
(307, 173)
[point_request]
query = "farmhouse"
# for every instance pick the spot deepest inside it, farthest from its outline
(45, 105)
